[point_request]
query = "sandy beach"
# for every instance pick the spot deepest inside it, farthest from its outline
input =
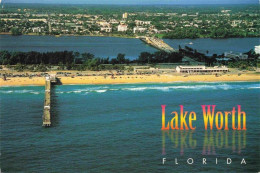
(122, 79)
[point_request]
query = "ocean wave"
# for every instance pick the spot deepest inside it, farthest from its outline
(19, 92)
(6, 92)
(114, 89)
(141, 88)
(194, 87)
(256, 87)
(101, 91)
(168, 88)
(60, 92)
(83, 91)
(35, 93)
(23, 91)
(77, 91)
(136, 89)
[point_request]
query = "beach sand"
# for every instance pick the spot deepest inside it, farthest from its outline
(123, 79)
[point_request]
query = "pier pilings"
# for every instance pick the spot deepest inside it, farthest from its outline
(46, 119)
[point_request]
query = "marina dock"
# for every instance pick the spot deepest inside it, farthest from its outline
(46, 119)
(158, 44)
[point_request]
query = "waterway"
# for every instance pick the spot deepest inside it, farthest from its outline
(110, 46)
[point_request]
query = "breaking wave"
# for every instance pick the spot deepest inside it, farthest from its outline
(139, 88)
(101, 91)
(24, 91)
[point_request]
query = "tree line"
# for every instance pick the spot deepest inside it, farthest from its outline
(69, 57)
(213, 32)
(80, 61)
(41, 61)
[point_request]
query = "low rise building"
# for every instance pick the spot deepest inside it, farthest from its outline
(125, 16)
(38, 20)
(106, 29)
(122, 28)
(236, 55)
(103, 23)
(37, 29)
(140, 22)
(225, 11)
(150, 70)
(10, 19)
(139, 30)
(201, 69)
(114, 21)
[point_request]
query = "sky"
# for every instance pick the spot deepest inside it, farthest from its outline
(135, 1)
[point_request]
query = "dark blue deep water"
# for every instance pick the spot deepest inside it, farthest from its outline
(110, 46)
(117, 128)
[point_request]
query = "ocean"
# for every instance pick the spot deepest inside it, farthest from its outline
(117, 128)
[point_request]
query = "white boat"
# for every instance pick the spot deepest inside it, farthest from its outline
(257, 49)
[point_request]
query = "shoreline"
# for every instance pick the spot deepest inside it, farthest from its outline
(148, 83)
(130, 79)
(69, 35)
(117, 36)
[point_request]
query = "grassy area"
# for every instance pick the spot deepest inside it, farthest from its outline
(159, 35)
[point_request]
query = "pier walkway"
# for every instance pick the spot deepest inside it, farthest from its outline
(46, 119)
(158, 44)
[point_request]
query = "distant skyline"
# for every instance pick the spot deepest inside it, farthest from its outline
(183, 2)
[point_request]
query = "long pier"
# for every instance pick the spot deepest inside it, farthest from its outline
(158, 44)
(46, 118)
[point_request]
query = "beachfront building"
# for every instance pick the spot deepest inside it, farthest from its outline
(201, 69)
(150, 70)
(122, 28)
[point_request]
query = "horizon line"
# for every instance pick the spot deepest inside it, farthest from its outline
(124, 3)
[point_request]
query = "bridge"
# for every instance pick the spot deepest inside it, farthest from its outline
(158, 44)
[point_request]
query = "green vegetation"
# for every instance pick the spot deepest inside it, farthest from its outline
(251, 64)
(225, 31)
(119, 9)
(37, 61)
(243, 65)
(163, 21)
(15, 31)
(68, 60)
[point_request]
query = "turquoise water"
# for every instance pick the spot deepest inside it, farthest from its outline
(117, 128)
(110, 46)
